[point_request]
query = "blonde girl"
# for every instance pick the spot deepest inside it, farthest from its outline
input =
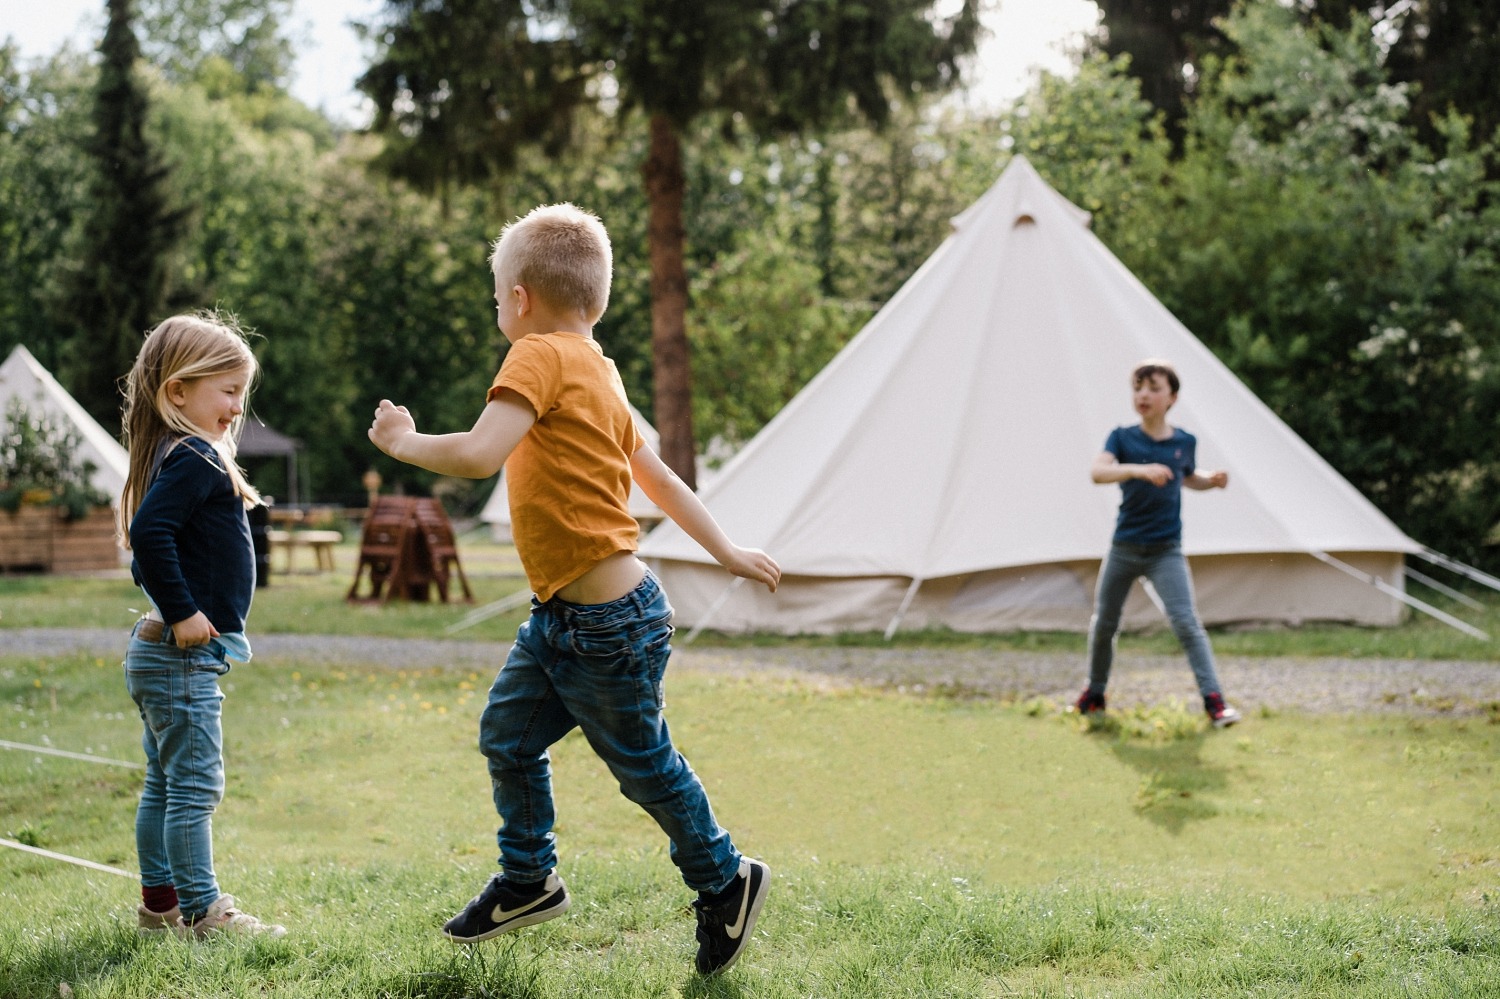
(182, 514)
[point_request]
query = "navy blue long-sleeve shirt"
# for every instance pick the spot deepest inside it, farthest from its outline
(191, 541)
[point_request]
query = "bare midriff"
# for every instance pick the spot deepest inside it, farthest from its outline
(608, 580)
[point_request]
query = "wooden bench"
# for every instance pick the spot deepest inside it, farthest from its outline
(321, 543)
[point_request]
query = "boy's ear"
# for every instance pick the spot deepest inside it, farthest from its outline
(523, 300)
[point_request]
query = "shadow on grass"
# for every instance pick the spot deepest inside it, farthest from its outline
(1165, 746)
(469, 972)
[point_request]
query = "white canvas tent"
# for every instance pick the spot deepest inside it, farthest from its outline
(23, 377)
(936, 471)
(496, 510)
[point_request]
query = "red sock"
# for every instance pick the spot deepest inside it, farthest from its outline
(159, 898)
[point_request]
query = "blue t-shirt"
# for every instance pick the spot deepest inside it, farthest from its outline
(1151, 514)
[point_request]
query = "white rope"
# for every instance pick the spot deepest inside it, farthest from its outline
(713, 609)
(488, 611)
(1454, 565)
(23, 747)
(1443, 588)
(1405, 598)
(66, 859)
(911, 592)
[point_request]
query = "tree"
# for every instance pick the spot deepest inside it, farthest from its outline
(461, 84)
(181, 36)
(1166, 43)
(118, 287)
(1349, 274)
(44, 124)
(1440, 46)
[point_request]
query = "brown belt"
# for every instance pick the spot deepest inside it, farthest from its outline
(151, 630)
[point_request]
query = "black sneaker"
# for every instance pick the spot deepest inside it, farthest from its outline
(726, 921)
(1221, 714)
(503, 907)
(1090, 703)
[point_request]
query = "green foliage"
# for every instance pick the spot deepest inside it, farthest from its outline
(1300, 857)
(1347, 275)
(39, 464)
(44, 183)
(1165, 43)
(184, 38)
(117, 279)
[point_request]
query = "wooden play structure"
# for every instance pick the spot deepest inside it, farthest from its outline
(407, 547)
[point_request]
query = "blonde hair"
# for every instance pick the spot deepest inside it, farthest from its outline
(182, 348)
(559, 253)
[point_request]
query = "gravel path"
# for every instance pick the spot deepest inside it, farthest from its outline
(1313, 685)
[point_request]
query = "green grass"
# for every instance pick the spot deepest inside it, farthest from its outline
(301, 603)
(923, 847)
(308, 603)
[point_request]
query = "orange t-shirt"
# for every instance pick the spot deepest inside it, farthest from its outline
(569, 478)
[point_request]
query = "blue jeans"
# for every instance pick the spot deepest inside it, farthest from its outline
(177, 691)
(1167, 569)
(598, 667)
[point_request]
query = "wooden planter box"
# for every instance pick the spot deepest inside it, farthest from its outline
(40, 538)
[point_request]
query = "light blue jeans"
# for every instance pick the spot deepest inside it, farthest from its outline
(177, 691)
(598, 667)
(1167, 569)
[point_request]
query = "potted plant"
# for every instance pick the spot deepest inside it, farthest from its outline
(51, 516)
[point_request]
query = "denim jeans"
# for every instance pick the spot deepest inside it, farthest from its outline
(1167, 569)
(177, 691)
(598, 667)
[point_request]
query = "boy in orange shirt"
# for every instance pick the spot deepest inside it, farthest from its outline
(595, 648)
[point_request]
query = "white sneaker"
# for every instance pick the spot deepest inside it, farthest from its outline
(148, 922)
(223, 917)
(1221, 714)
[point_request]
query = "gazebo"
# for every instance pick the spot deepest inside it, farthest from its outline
(260, 441)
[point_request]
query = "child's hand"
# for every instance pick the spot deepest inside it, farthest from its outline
(1218, 480)
(755, 565)
(392, 423)
(1157, 475)
(196, 630)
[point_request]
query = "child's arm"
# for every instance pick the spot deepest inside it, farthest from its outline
(1206, 480)
(474, 454)
(1107, 468)
(677, 501)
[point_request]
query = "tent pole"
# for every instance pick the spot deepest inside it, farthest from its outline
(911, 591)
(1454, 565)
(713, 609)
(1405, 598)
(1443, 588)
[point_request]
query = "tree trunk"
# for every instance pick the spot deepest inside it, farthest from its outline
(672, 377)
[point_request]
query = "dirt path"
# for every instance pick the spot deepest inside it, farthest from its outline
(1322, 685)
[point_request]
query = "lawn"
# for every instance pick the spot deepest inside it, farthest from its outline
(313, 603)
(922, 847)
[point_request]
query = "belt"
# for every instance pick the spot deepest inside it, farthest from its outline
(151, 630)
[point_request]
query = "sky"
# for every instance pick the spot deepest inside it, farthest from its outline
(1024, 35)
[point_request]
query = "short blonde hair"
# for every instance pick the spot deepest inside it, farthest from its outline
(558, 253)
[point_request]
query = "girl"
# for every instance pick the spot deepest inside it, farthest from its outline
(183, 515)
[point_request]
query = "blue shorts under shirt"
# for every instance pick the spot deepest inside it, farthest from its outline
(1150, 514)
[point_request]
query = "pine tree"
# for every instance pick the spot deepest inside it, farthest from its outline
(117, 287)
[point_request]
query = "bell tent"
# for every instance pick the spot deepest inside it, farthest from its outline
(23, 378)
(936, 472)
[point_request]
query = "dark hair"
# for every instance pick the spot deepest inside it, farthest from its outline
(1152, 368)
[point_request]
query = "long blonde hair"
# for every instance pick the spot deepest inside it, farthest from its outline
(182, 348)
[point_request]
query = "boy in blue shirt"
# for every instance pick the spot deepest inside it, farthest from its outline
(1152, 462)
